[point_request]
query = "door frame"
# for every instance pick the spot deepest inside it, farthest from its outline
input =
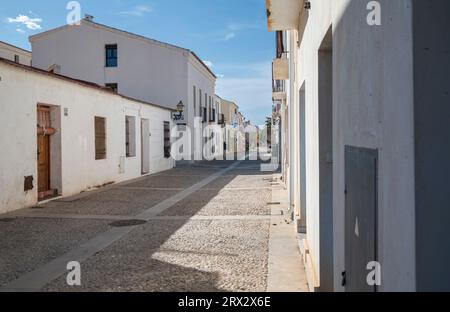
(145, 144)
(44, 129)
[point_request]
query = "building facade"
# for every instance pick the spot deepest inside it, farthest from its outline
(15, 54)
(132, 65)
(234, 135)
(87, 136)
(360, 88)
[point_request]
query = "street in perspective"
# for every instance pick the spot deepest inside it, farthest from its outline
(235, 147)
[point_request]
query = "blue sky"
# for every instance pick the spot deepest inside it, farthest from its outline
(231, 35)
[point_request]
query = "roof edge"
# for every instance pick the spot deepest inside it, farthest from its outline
(16, 47)
(79, 82)
(126, 33)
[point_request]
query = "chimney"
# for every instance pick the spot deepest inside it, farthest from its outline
(88, 17)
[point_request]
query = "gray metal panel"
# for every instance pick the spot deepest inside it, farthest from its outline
(360, 216)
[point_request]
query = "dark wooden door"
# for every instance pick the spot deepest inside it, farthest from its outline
(43, 163)
(360, 216)
(44, 131)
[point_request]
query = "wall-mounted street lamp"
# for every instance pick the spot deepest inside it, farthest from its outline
(180, 110)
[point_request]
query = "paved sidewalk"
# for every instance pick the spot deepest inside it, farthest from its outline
(194, 228)
(286, 269)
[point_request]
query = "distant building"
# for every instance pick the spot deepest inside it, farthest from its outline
(15, 54)
(230, 110)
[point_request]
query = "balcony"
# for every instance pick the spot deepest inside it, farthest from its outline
(280, 68)
(279, 90)
(284, 14)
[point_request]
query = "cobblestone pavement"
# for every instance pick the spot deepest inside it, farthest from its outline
(203, 227)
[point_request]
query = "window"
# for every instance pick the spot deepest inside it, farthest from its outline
(113, 86)
(210, 109)
(167, 144)
(213, 115)
(204, 114)
(195, 101)
(16, 58)
(100, 138)
(130, 136)
(111, 55)
(206, 105)
(200, 103)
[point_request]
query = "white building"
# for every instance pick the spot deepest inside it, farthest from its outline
(15, 54)
(86, 136)
(364, 88)
(136, 66)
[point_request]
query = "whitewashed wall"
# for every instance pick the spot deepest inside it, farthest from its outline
(8, 52)
(373, 108)
(21, 90)
(147, 70)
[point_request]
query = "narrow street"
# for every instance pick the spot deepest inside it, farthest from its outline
(205, 227)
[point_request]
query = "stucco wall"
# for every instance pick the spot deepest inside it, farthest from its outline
(373, 108)
(21, 90)
(8, 52)
(152, 72)
(202, 81)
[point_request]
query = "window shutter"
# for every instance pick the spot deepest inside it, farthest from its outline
(100, 138)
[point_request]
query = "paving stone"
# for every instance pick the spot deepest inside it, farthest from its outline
(170, 254)
(225, 202)
(168, 181)
(28, 243)
(178, 256)
(239, 181)
(114, 201)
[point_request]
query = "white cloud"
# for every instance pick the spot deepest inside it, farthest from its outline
(20, 30)
(220, 75)
(229, 36)
(30, 23)
(139, 10)
(208, 63)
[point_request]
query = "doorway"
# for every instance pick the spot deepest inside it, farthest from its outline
(44, 133)
(325, 82)
(145, 146)
(361, 166)
(302, 173)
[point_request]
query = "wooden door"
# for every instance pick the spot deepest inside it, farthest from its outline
(43, 144)
(44, 131)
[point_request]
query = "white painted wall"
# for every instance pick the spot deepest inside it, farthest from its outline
(198, 77)
(80, 170)
(147, 70)
(8, 52)
(151, 72)
(373, 108)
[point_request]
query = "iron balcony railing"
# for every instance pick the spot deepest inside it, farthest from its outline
(279, 86)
